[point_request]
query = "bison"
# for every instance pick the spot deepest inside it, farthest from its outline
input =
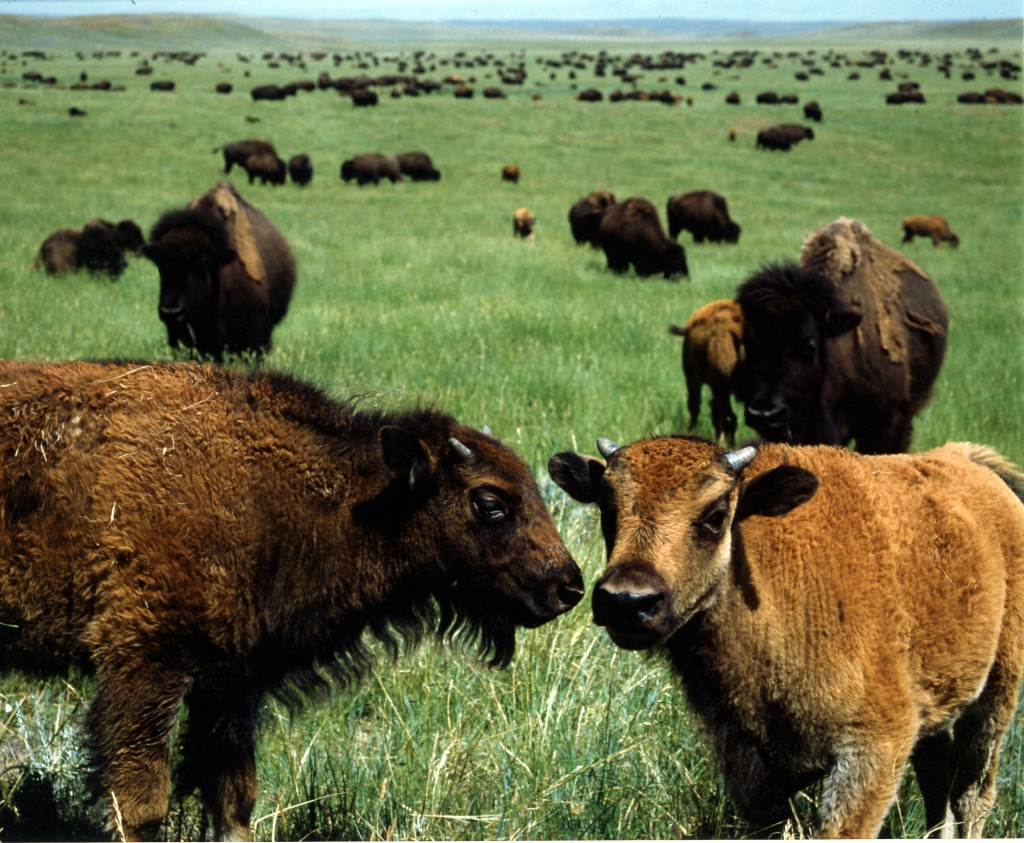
(631, 233)
(705, 214)
(300, 169)
(239, 152)
(847, 345)
(266, 167)
(226, 274)
(830, 615)
(523, 222)
(204, 537)
(927, 225)
(98, 246)
(585, 216)
(511, 172)
(370, 168)
(417, 166)
(783, 137)
(713, 355)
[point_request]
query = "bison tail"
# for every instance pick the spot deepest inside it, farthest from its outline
(1009, 473)
(677, 330)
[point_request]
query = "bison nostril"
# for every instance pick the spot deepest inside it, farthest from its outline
(625, 608)
(569, 594)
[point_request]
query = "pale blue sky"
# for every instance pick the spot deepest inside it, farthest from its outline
(439, 10)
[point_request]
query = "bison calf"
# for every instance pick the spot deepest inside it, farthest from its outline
(927, 225)
(523, 222)
(202, 537)
(831, 615)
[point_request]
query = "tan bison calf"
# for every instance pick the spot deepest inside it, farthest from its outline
(831, 615)
(523, 222)
(712, 355)
(927, 225)
(204, 537)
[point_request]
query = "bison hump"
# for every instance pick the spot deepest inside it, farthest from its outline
(225, 201)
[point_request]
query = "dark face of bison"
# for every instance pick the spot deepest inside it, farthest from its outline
(100, 251)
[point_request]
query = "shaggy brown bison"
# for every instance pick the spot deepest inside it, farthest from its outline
(417, 166)
(705, 214)
(240, 151)
(203, 537)
(226, 274)
(266, 167)
(832, 616)
(713, 355)
(631, 233)
(927, 225)
(847, 345)
(370, 168)
(523, 222)
(300, 169)
(98, 246)
(585, 216)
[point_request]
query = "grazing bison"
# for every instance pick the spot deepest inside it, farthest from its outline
(713, 355)
(241, 151)
(847, 345)
(511, 172)
(199, 536)
(98, 246)
(705, 214)
(812, 111)
(266, 167)
(585, 216)
(784, 136)
(927, 225)
(417, 166)
(226, 274)
(300, 169)
(523, 222)
(631, 233)
(370, 168)
(830, 615)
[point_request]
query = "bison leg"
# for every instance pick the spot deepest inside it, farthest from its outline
(722, 416)
(908, 235)
(219, 757)
(129, 725)
(932, 762)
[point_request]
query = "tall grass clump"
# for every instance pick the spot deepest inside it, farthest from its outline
(417, 293)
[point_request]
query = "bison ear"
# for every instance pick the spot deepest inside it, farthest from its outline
(840, 323)
(776, 492)
(406, 456)
(578, 475)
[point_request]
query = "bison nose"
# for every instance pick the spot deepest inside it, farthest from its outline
(633, 605)
(566, 593)
(765, 417)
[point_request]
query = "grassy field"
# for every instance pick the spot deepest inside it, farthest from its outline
(417, 293)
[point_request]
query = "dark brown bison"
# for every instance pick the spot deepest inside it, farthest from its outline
(98, 246)
(713, 355)
(300, 169)
(328, 527)
(370, 168)
(266, 167)
(631, 233)
(812, 111)
(832, 616)
(927, 225)
(364, 97)
(511, 172)
(241, 151)
(523, 223)
(417, 166)
(705, 214)
(784, 136)
(847, 345)
(268, 92)
(226, 274)
(590, 95)
(585, 216)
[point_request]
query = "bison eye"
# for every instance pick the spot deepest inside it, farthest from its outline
(711, 526)
(489, 509)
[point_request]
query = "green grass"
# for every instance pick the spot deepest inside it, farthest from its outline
(418, 293)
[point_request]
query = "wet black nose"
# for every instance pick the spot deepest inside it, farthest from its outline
(569, 592)
(765, 416)
(625, 609)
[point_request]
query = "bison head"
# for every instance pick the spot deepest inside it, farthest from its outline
(790, 316)
(668, 510)
(474, 499)
(190, 248)
(99, 249)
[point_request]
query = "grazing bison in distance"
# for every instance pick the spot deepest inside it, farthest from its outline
(328, 527)
(98, 246)
(927, 225)
(417, 166)
(783, 137)
(240, 151)
(370, 168)
(713, 355)
(830, 615)
(300, 169)
(847, 345)
(266, 167)
(226, 274)
(631, 233)
(705, 214)
(511, 172)
(585, 216)
(523, 222)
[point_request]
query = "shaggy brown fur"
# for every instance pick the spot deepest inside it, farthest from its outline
(712, 355)
(705, 214)
(239, 151)
(831, 615)
(201, 536)
(523, 222)
(585, 216)
(631, 233)
(927, 225)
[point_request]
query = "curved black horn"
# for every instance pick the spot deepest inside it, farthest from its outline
(463, 452)
(606, 446)
(741, 459)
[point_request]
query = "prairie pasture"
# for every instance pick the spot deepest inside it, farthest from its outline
(418, 293)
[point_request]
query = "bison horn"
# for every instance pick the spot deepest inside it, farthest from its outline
(460, 449)
(486, 431)
(740, 459)
(606, 446)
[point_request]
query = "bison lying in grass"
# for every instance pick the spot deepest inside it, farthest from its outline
(831, 615)
(98, 246)
(197, 536)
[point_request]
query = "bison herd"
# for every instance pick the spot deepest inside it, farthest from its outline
(205, 538)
